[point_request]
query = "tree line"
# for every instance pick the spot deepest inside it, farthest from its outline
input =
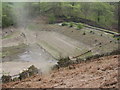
(103, 13)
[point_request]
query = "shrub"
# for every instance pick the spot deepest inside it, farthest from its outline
(64, 62)
(118, 39)
(23, 75)
(110, 41)
(6, 79)
(71, 24)
(79, 26)
(91, 31)
(84, 33)
(7, 21)
(32, 70)
(95, 40)
(64, 24)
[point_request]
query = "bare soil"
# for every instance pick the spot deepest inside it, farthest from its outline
(58, 41)
(98, 73)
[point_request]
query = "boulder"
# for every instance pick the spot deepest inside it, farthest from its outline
(6, 78)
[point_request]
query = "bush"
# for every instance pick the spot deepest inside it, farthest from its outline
(84, 33)
(7, 21)
(91, 31)
(64, 62)
(114, 52)
(64, 24)
(6, 79)
(79, 26)
(32, 70)
(118, 39)
(71, 24)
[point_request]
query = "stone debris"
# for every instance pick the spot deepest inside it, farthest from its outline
(6, 78)
(32, 70)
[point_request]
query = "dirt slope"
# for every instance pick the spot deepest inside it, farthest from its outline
(99, 73)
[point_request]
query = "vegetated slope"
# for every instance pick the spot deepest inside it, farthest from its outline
(98, 73)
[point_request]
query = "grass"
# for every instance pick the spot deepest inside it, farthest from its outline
(89, 39)
(64, 24)
(53, 51)
(7, 36)
(14, 50)
(86, 39)
(32, 26)
(10, 35)
(86, 55)
(71, 24)
(0, 54)
(79, 26)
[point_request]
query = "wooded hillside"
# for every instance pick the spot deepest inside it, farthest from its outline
(103, 14)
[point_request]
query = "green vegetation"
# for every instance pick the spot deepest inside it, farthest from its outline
(7, 36)
(31, 71)
(84, 33)
(71, 24)
(103, 13)
(33, 26)
(6, 78)
(51, 19)
(7, 18)
(64, 24)
(0, 14)
(9, 51)
(54, 52)
(64, 62)
(79, 26)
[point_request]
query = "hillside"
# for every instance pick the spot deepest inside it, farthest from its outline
(98, 73)
(100, 14)
(59, 45)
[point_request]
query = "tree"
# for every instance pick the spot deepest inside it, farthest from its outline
(85, 9)
(103, 12)
(0, 14)
(7, 19)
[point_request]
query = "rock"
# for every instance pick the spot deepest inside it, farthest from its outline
(15, 79)
(23, 75)
(6, 79)
(39, 79)
(71, 67)
(32, 70)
